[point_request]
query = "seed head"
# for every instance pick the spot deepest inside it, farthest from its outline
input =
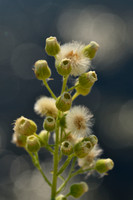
(45, 106)
(79, 121)
(74, 51)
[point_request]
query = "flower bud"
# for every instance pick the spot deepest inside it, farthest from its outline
(33, 143)
(82, 148)
(52, 46)
(93, 139)
(25, 126)
(91, 49)
(64, 68)
(44, 137)
(61, 197)
(49, 123)
(78, 189)
(81, 90)
(104, 165)
(64, 102)
(19, 139)
(66, 148)
(87, 80)
(42, 70)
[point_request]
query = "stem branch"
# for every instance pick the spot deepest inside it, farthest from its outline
(49, 89)
(56, 160)
(65, 78)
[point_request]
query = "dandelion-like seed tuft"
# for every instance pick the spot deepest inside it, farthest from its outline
(90, 159)
(79, 121)
(45, 106)
(74, 51)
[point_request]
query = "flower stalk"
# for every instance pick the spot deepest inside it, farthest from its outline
(68, 127)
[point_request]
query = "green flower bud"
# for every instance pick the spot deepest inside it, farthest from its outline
(64, 102)
(33, 143)
(91, 49)
(87, 80)
(81, 90)
(61, 197)
(82, 148)
(19, 139)
(78, 189)
(44, 137)
(25, 126)
(64, 68)
(66, 148)
(49, 123)
(93, 139)
(52, 46)
(42, 70)
(104, 165)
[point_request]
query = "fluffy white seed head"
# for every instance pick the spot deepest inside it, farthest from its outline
(45, 106)
(79, 121)
(90, 159)
(74, 51)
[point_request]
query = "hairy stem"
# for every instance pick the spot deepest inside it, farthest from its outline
(69, 176)
(36, 163)
(66, 163)
(75, 96)
(65, 78)
(56, 160)
(49, 89)
(72, 88)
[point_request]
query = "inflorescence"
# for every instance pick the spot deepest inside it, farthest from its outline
(71, 126)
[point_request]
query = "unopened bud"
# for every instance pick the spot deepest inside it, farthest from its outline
(52, 46)
(82, 90)
(33, 143)
(91, 49)
(25, 126)
(78, 189)
(87, 80)
(92, 138)
(42, 70)
(44, 137)
(66, 148)
(64, 102)
(19, 139)
(61, 197)
(49, 123)
(82, 148)
(104, 165)
(64, 68)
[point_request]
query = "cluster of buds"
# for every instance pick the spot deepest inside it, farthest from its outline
(71, 126)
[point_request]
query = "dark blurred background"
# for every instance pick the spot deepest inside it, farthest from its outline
(24, 26)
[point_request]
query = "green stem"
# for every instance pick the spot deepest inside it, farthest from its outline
(49, 149)
(56, 160)
(45, 178)
(65, 78)
(49, 89)
(36, 163)
(80, 171)
(72, 88)
(66, 163)
(67, 195)
(75, 96)
(69, 176)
